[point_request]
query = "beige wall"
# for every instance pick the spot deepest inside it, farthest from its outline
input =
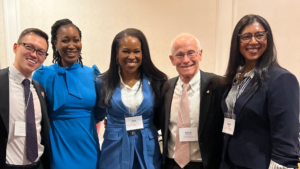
(211, 21)
(101, 20)
(283, 17)
(3, 61)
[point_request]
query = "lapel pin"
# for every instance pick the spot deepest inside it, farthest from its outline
(149, 82)
(43, 94)
(207, 91)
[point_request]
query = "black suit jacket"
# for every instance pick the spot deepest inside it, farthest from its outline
(4, 120)
(266, 125)
(210, 122)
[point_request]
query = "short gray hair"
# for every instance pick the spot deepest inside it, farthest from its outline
(184, 34)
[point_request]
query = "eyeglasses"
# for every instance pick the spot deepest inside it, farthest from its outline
(259, 36)
(190, 55)
(39, 53)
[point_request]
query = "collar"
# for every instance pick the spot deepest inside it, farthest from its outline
(74, 66)
(135, 87)
(17, 76)
(194, 83)
(250, 73)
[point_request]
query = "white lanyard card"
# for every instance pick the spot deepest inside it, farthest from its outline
(228, 126)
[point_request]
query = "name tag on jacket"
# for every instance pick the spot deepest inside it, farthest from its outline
(134, 123)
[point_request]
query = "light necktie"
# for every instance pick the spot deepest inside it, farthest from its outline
(182, 149)
(31, 139)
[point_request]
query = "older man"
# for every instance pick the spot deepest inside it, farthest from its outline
(191, 118)
(24, 124)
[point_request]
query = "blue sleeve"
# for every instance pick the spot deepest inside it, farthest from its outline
(38, 76)
(283, 112)
(96, 71)
(100, 113)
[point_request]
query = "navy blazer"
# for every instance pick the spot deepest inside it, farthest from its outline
(4, 120)
(267, 120)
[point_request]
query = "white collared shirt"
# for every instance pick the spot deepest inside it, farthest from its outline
(194, 105)
(16, 145)
(132, 97)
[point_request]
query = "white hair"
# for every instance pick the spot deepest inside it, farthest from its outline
(184, 34)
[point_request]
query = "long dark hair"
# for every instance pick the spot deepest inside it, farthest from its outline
(236, 59)
(54, 29)
(110, 78)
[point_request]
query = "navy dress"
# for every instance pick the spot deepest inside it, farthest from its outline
(71, 98)
(137, 149)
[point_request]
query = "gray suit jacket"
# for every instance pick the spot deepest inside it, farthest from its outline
(210, 119)
(4, 119)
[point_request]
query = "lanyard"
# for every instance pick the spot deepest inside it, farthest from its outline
(27, 101)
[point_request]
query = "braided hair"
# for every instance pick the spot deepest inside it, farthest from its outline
(54, 30)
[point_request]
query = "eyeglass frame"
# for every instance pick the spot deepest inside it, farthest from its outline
(182, 57)
(253, 35)
(32, 49)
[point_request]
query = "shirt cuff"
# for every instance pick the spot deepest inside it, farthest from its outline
(274, 165)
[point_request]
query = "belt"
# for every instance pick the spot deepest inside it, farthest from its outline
(30, 166)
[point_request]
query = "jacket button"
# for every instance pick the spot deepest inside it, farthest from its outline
(133, 133)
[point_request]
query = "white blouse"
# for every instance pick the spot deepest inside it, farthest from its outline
(132, 97)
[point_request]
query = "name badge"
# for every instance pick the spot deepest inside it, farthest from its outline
(134, 123)
(20, 128)
(188, 134)
(228, 126)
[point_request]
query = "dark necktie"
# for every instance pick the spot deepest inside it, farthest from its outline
(31, 139)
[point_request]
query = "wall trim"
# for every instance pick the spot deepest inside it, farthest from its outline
(11, 24)
(225, 13)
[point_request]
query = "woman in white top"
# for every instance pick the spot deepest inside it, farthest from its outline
(130, 92)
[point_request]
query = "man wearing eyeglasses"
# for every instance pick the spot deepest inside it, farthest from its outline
(190, 115)
(24, 123)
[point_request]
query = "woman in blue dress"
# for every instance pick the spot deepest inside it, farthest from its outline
(130, 91)
(71, 97)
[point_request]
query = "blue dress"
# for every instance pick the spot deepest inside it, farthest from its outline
(71, 98)
(135, 149)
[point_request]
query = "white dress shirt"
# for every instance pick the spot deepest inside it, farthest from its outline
(16, 145)
(132, 97)
(194, 105)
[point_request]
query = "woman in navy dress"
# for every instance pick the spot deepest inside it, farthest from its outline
(71, 97)
(130, 89)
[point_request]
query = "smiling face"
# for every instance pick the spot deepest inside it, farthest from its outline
(129, 55)
(254, 49)
(68, 44)
(187, 67)
(25, 60)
